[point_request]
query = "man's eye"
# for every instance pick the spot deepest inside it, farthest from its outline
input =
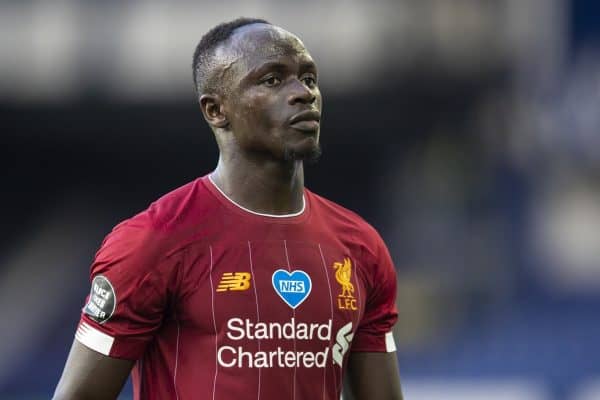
(309, 81)
(271, 81)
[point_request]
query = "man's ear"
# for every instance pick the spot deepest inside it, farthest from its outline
(213, 110)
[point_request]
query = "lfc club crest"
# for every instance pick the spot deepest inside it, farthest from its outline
(343, 275)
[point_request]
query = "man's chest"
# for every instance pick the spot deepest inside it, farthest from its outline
(270, 297)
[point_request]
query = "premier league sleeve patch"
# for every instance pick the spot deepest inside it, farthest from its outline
(102, 302)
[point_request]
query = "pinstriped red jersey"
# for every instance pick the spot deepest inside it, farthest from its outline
(217, 302)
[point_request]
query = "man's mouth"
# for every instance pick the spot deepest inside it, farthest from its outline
(306, 121)
(307, 126)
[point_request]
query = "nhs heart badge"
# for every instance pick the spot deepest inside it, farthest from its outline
(293, 287)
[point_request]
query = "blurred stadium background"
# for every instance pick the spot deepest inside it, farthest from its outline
(466, 131)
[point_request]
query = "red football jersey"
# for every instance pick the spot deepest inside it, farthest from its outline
(215, 301)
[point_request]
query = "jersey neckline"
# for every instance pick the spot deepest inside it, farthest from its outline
(239, 209)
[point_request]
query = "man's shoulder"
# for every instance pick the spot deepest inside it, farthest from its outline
(184, 206)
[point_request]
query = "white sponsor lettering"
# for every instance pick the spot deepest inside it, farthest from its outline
(229, 356)
(238, 329)
(242, 329)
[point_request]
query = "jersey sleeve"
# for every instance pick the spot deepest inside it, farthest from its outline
(131, 284)
(374, 333)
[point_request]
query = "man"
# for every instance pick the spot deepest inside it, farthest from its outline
(242, 284)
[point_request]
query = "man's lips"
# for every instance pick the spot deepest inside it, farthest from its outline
(309, 126)
(306, 121)
(308, 115)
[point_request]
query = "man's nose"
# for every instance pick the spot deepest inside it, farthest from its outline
(299, 93)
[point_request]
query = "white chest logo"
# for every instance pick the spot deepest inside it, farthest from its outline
(343, 339)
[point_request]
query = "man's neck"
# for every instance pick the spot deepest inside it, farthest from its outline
(267, 187)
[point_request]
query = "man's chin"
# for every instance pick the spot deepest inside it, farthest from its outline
(309, 155)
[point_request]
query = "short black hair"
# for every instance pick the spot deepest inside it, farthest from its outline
(203, 62)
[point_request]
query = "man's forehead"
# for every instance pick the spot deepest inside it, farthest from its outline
(261, 41)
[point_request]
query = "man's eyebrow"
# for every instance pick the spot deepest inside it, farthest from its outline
(270, 65)
(279, 66)
(308, 65)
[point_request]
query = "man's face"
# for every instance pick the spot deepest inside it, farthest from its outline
(274, 104)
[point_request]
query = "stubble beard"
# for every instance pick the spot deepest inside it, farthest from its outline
(309, 157)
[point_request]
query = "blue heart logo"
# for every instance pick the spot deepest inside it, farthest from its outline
(292, 287)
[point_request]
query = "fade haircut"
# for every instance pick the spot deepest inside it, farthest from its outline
(204, 61)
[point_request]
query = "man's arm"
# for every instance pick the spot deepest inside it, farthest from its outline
(91, 376)
(373, 376)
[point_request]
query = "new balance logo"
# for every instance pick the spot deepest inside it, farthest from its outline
(234, 281)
